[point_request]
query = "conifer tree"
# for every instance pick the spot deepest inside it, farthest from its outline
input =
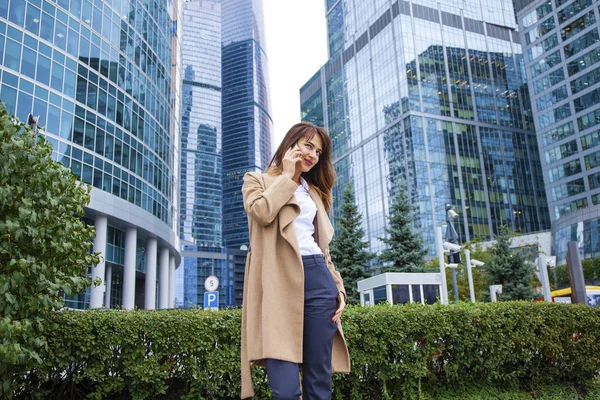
(404, 248)
(510, 269)
(348, 249)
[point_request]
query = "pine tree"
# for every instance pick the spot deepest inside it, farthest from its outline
(348, 249)
(510, 269)
(404, 248)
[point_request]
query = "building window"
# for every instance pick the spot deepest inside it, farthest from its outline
(577, 26)
(558, 133)
(562, 151)
(537, 14)
(546, 82)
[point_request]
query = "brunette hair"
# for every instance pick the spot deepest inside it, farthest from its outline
(322, 175)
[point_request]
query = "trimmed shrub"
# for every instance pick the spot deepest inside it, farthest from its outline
(396, 351)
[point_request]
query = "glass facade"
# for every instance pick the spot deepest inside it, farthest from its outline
(246, 119)
(201, 179)
(101, 87)
(99, 76)
(566, 91)
(200, 198)
(197, 266)
(424, 96)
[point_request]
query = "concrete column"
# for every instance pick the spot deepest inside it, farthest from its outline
(150, 293)
(97, 292)
(171, 281)
(108, 286)
(163, 278)
(129, 268)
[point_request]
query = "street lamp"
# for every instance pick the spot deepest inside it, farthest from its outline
(495, 290)
(451, 243)
(452, 246)
(471, 263)
(439, 244)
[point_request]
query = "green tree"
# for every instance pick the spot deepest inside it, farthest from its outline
(348, 248)
(510, 269)
(44, 247)
(404, 248)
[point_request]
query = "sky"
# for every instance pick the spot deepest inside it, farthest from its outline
(296, 40)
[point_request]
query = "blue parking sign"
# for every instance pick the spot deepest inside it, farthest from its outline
(211, 300)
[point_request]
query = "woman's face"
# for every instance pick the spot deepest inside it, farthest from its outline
(311, 151)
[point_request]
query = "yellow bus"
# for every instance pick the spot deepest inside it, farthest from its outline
(564, 295)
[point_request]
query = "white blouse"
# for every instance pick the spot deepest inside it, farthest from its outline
(304, 222)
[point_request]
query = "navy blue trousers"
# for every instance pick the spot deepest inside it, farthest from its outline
(320, 303)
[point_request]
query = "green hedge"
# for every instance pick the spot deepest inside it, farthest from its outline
(396, 351)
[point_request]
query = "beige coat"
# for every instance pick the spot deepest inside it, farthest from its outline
(272, 314)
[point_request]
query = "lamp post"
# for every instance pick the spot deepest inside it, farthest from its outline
(440, 253)
(452, 237)
(470, 264)
(470, 275)
(495, 290)
(33, 122)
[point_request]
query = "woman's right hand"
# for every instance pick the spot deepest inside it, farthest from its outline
(290, 161)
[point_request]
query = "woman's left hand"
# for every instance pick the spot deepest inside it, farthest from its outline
(338, 313)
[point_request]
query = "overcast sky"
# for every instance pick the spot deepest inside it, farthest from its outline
(296, 47)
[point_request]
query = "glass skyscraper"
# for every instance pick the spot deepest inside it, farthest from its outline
(430, 96)
(200, 219)
(226, 130)
(246, 122)
(562, 47)
(201, 179)
(100, 75)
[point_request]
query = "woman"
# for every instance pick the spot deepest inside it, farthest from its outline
(293, 296)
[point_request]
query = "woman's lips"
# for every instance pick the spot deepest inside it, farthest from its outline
(308, 162)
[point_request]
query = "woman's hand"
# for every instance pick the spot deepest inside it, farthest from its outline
(341, 305)
(290, 161)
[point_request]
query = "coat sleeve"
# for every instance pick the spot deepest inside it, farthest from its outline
(263, 205)
(337, 278)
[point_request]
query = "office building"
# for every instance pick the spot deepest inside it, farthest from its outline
(246, 119)
(226, 131)
(431, 96)
(562, 48)
(102, 77)
(201, 180)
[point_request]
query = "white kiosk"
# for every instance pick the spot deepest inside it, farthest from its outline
(400, 288)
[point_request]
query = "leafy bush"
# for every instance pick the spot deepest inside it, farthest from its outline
(559, 277)
(396, 351)
(44, 247)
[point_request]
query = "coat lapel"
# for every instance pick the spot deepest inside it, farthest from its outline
(287, 214)
(323, 225)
